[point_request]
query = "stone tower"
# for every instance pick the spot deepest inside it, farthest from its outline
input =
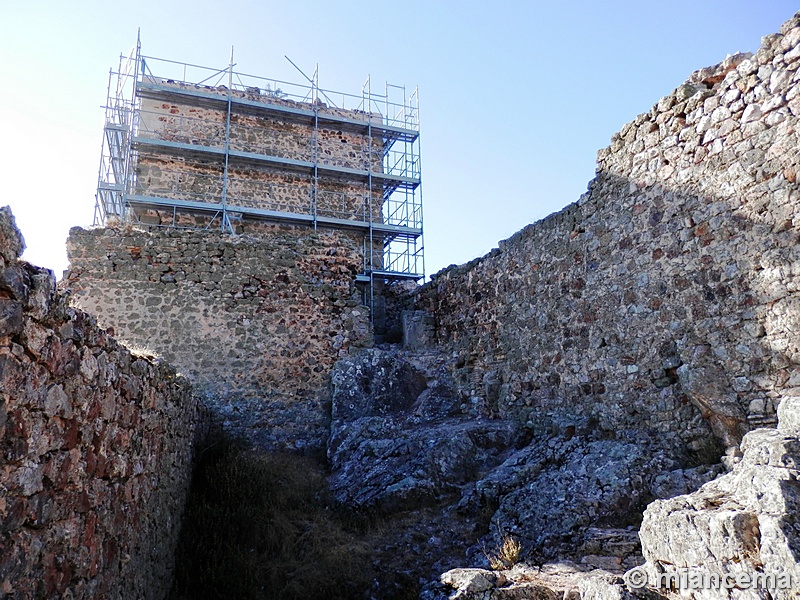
(245, 229)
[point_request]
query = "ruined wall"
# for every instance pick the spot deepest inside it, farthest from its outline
(256, 323)
(666, 297)
(190, 123)
(257, 319)
(181, 178)
(96, 447)
(251, 184)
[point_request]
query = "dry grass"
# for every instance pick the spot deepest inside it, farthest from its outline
(506, 555)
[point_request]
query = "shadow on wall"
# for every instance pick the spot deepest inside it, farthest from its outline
(666, 297)
(669, 307)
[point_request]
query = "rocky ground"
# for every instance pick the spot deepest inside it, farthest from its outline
(590, 508)
(451, 481)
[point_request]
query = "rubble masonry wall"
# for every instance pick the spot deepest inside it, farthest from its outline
(96, 446)
(256, 323)
(667, 296)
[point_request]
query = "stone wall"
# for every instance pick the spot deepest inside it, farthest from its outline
(191, 123)
(250, 185)
(666, 297)
(96, 446)
(192, 180)
(255, 322)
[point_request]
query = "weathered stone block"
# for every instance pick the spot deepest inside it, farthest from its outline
(12, 243)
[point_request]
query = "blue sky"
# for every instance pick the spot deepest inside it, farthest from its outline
(515, 98)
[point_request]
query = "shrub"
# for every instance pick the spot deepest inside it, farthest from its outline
(506, 555)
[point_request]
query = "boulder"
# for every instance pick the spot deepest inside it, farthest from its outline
(744, 524)
(399, 438)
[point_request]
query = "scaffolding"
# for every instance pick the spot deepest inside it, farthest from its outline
(242, 148)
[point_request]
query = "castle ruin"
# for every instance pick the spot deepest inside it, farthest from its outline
(621, 347)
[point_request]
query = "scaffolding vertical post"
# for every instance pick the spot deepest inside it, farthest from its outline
(101, 197)
(132, 118)
(115, 175)
(315, 161)
(371, 219)
(416, 202)
(226, 223)
(371, 261)
(315, 146)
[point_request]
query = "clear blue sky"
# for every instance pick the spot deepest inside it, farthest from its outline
(516, 98)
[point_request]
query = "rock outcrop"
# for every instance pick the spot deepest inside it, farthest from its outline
(404, 435)
(743, 525)
(401, 435)
(552, 492)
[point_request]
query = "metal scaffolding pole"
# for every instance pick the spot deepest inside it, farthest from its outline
(226, 223)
